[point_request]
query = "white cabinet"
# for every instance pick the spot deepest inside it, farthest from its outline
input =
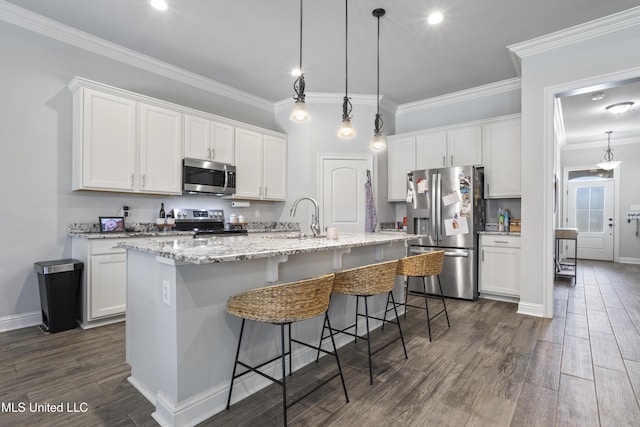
(431, 150)
(205, 139)
(104, 141)
(464, 146)
(123, 145)
(499, 265)
(108, 278)
(160, 168)
(502, 158)
(401, 159)
(261, 166)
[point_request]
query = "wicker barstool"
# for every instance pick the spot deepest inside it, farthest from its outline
(375, 279)
(423, 265)
(283, 305)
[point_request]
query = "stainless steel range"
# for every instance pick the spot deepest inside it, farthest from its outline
(203, 222)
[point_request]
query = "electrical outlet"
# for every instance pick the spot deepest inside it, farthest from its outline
(166, 292)
(257, 214)
(125, 209)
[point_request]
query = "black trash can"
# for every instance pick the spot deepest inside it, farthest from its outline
(59, 283)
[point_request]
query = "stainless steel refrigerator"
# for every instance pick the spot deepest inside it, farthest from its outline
(445, 207)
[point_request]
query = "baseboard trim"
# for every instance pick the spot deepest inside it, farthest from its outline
(628, 260)
(529, 309)
(19, 321)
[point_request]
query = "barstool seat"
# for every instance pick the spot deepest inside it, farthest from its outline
(364, 282)
(282, 305)
(423, 265)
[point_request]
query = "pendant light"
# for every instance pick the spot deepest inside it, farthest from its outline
(346, 129)
(379, 142)
(299, 112)
(609, 162)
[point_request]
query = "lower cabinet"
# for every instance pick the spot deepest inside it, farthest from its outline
(499, 265)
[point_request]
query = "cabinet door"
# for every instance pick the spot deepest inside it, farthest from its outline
(197, 136)
(249, 161)
(108, 285)
(222, 146)
(502, 158)
(431, 150)
(464, 146)
(160, 150)
(275, 168)
(402, 159)
(108, 142)
(499, 270)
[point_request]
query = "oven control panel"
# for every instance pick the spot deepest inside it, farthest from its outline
(215, 215)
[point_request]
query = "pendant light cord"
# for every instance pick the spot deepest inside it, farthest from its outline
(346, 47)
(378, 83)
(301, 1)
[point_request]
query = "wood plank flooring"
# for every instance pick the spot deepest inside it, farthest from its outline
(493, 367)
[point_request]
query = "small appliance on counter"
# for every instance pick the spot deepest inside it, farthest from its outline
(204, 222)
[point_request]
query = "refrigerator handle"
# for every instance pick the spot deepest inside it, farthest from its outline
(434, 200)
(438, 203)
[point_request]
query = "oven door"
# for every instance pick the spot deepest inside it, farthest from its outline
(201, 176)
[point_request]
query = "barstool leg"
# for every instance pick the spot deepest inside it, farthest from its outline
(386, 308)
(290, 368)
(406, 294)
(322, 337)
(357, 301)
(426, 305)
(398, 321)
(366, 312)
(443, 302)
(335, 351)
(284, 377)
(235, 364)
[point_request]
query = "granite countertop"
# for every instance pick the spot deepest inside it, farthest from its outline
(499, 233)
(236, 248)
(129, 234)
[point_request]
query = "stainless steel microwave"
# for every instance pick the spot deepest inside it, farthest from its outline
(204, 177)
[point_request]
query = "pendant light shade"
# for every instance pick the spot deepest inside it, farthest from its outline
(609, 163)
(299, 112)
(346, 129)
(379, 142)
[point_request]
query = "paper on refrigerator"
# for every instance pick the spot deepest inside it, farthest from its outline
(456, 226)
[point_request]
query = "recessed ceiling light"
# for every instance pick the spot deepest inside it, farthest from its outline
(159, 4)
(597, 96)
(435, 18)
(620, 107)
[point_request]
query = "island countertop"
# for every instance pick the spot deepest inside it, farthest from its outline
(236, 248)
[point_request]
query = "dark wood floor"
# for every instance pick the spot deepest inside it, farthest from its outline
(492, 367)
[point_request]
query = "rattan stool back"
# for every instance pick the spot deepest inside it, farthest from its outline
(285, 303)
(368, 280)
(429, 264)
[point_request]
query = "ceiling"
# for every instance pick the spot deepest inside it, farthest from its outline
(252, 45)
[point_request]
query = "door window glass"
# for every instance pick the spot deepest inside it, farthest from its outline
(590, 209)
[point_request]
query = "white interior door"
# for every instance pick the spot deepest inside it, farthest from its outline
(591, 211)
(343, 193)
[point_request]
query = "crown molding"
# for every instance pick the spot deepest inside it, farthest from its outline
(578, 33)
(336, 98)
(602, 143)
(463, 95)
(47, 27)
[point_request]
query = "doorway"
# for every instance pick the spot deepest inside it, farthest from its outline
(591, 209)
(342, 192)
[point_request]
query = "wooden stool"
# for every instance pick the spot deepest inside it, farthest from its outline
(283, 305)
(364, 282)
(423, 265)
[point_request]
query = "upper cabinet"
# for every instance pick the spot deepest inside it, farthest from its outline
(494, 144)
(205, 139)
(125, 146)
(502, 158)
(126, 142)
(261, 166)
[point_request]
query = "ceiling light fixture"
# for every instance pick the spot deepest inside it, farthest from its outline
(379, 142)
(159, 4)
(435, 18)
(620, 107)
(597, 96)
(346, 129)
(299, 112)
(609, 162)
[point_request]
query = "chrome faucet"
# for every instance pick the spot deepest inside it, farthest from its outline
(315, 218)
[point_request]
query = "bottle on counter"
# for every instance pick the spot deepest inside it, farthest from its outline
(162, 214)
(500, 220)
(506, 220)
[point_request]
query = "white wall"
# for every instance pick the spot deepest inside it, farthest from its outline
(595, 60)
(629, 193)
(319, 136)
(35, 165)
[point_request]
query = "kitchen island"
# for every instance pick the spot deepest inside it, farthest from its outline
(180, 342)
